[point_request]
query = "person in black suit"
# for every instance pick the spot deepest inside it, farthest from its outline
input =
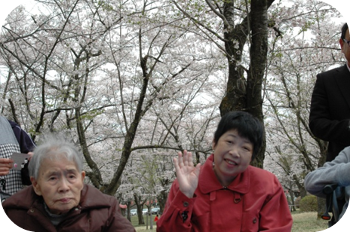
(330, 104)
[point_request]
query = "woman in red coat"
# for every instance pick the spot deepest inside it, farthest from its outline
(226, 193)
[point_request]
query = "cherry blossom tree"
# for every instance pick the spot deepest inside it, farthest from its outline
(240, 31)
(116, 76)
(133, 82)
(307, 44)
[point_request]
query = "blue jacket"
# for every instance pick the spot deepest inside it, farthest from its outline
(24, 140)
(334, 172)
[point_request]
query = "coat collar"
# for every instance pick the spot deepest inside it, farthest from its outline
(208, 181)
(91, 197)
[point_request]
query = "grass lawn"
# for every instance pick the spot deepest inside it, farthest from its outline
(134, 222)
(307, 222)
(302, 222)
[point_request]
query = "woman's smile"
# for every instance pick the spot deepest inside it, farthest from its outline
(230, 162)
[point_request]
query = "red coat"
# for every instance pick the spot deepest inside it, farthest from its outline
(254, 201)
(96, 212)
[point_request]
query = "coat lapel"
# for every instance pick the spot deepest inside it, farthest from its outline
(343, 82)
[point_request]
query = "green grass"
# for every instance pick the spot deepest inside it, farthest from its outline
(142, 228)
(302, 222)
(307, 222)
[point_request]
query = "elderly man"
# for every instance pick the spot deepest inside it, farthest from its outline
(58, 199)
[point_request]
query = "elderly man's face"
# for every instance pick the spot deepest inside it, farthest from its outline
(60, 184)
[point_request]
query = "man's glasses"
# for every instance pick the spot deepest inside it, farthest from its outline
(347, 41)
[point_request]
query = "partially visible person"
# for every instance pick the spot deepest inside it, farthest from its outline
(226, 193)
(330, 103)
(13, 139)
(58, 199)
(332, 172)
(26, 145)
(156, 218)
(24, 140)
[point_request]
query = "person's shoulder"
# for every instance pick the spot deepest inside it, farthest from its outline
(15, 127)
(343, 156)
(93, 196)
(23, 199)
(13, 124)
(346, 150)
(263, 179)
(334, 71)
(259, 173)
(89, 190)
(259, 170)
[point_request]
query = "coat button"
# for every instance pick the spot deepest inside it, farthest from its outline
(31, 210)
(186, 204)
(254, 220)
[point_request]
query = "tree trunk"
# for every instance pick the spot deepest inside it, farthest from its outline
(162, 197)
(139, 207)
(235, 39)
(246, 94)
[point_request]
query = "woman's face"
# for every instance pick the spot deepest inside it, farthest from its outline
(59, 183)
(232, 156)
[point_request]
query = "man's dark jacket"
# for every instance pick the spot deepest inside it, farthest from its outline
(330, 109)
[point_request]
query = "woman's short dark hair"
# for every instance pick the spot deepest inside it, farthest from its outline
(343, 30)
(246, 125)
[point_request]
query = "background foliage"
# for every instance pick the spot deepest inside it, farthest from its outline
(132, 82)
